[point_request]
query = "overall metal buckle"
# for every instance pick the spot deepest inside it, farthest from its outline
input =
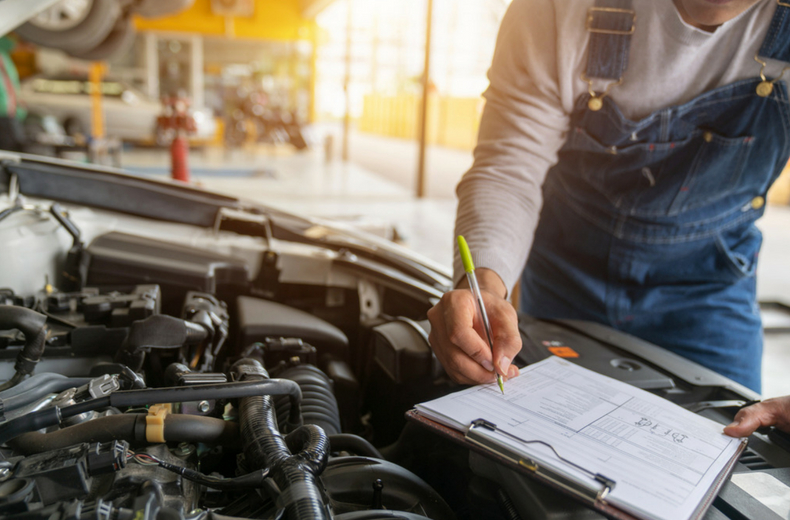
(591, 18)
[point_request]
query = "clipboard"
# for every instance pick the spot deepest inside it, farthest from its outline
(596, 500)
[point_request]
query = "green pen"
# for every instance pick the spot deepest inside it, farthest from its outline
(469, 267)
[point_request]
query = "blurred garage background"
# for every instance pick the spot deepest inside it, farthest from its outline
(364, 111)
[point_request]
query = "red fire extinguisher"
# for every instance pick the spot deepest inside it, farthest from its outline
(178, 122)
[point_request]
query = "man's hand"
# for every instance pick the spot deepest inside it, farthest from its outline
(459, 339)
(771, 412)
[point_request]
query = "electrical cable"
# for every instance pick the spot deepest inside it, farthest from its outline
(250, 480)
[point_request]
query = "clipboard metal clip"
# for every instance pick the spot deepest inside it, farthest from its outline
(607, 484)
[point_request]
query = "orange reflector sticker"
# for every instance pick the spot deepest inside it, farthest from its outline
(564, 352)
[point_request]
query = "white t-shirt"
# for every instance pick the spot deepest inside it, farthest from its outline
(536, 80)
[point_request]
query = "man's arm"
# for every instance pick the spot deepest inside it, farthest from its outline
(522, 128)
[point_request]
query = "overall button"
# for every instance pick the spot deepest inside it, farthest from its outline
(708, 136)
(758, 202)
(765, 89)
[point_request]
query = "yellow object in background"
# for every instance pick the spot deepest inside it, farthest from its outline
(97, 113)
(452, 122)
(278, 20)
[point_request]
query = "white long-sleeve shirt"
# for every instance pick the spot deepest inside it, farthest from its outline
(535, 80)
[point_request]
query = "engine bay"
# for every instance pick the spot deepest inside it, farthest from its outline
(112, 403)
(169, 353)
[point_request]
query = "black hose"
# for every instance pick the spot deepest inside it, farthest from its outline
(34, 326)
(179, 394)
(507, 505)
(130, 427)
(36, 388)
(380, 514)
(157, 332)
(319, 404)
(353, 444)
(44, 379)
(253, 480)
(296, 475)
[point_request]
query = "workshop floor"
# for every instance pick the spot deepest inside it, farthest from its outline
(308, 185)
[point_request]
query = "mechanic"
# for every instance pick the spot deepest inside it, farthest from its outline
(624, 154)
(11, 114)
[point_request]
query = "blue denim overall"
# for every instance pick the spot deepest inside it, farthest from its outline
(648, 226)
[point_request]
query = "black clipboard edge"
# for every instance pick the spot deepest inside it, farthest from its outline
(458, 437)
(602, 507)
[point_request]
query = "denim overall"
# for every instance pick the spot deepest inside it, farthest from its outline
(648, 226)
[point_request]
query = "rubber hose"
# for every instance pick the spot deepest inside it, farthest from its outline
(354, 444)
(355, 515)
(44, 378)
(34, 326)
(380, 514)
(36, 388)
(130, 398)
(507, 505)
(130, 427)
(157, 332)
(311, 445)
(264, 447)
(319, 405)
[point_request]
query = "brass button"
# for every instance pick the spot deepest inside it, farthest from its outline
(758, 202)
(708, 136)
(595, 104)
(765, 88)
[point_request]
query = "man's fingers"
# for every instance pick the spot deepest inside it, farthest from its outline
(507, 338)
(771, 412)
(460, 343)
(459, 366)
(459, 322)
(467, 371)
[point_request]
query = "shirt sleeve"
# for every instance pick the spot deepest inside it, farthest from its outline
(522, 129)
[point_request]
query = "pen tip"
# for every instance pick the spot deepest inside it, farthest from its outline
(501, 384)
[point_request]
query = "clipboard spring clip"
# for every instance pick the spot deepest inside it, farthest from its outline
(606, 483)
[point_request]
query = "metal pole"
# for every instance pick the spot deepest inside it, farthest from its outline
(426, 85)
(152, 64)
(197, 80)
(97, 111)
(347, 82)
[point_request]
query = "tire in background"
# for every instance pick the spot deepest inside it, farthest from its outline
(88, 34)
(120, 40)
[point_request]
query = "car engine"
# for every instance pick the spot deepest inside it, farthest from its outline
(167, 353)
(142, 377)
(114, 409)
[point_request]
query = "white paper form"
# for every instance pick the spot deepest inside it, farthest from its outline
(663, 458)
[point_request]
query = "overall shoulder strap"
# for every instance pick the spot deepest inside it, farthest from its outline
(777, 42)
(611, 24)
